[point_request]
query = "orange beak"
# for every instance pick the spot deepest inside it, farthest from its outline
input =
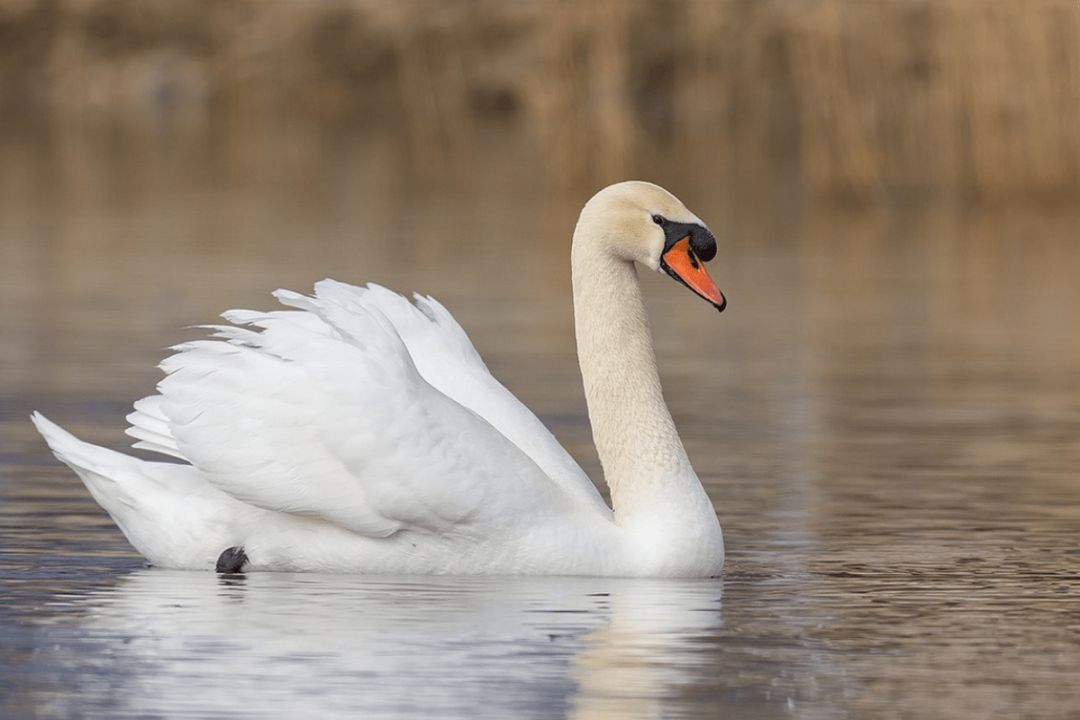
(680, 263)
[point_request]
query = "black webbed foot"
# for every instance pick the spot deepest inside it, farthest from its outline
(231, 561)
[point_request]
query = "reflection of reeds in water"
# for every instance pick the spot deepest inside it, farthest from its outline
(979, 98)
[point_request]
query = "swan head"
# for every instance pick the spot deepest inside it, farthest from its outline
(640, 222)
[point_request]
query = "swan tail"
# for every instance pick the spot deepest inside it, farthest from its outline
(167, 511)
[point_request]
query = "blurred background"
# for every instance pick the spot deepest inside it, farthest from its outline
(887, 417)
(824, 100)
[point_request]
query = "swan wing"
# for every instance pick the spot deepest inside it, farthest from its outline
(321, 411)
(445, 357)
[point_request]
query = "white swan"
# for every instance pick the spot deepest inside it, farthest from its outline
(358, 432)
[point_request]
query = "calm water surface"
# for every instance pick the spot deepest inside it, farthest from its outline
(887, 419)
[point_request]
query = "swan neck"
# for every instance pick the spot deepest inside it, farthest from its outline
(644, 461)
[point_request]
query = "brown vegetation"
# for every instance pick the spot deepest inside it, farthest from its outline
(845, 99)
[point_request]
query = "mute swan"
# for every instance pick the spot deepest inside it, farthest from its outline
(359, 432)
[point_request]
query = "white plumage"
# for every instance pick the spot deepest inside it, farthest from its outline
(357, 431)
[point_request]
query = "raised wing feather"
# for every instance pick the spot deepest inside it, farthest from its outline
(446, 358)
(324, 413)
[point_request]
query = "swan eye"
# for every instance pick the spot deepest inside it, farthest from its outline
(658, 220)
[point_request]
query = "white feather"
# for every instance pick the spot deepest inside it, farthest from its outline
(359, 431)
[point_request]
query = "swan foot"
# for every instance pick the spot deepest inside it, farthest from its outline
(231, 561)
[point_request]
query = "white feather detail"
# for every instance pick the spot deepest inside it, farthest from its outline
(323, 413)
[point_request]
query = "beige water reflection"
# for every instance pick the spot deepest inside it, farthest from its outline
(887, 418)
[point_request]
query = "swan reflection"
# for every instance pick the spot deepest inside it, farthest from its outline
(392, 646)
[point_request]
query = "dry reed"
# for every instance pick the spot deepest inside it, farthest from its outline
(839, 98)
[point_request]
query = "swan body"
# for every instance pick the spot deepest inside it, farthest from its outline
(356, 431)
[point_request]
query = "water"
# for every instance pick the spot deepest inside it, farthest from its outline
(887, 419)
